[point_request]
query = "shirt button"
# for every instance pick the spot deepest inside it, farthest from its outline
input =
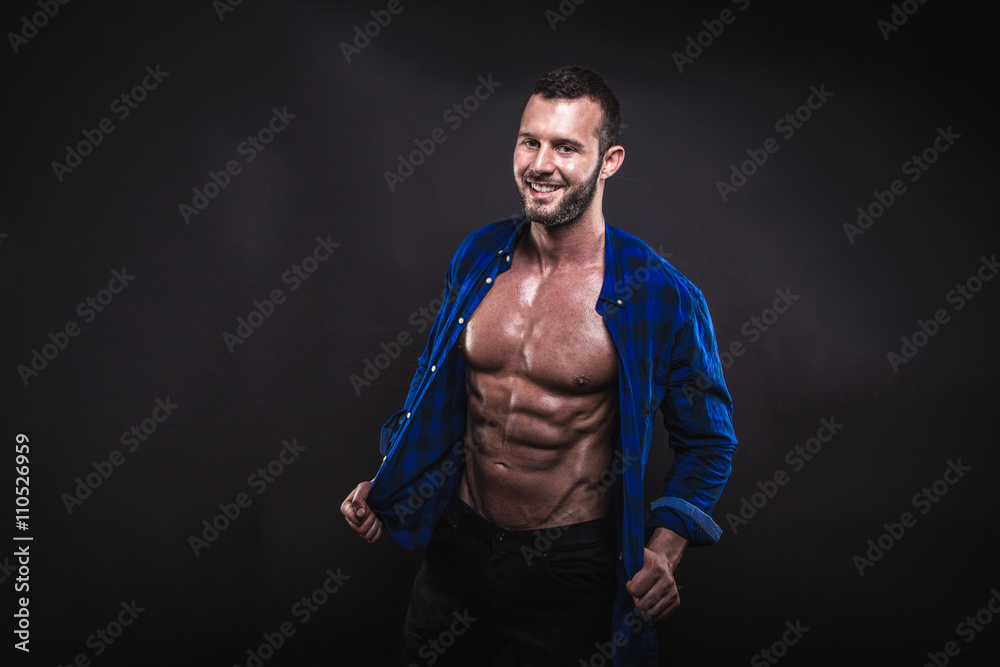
(384, 458)
(489, 280)
(508, 259)
(619, 302)
(461, 320)
(433, 368)
(407, 415)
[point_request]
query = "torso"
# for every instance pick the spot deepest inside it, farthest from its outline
(542, 382)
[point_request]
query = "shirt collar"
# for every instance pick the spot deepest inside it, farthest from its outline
(613, 290)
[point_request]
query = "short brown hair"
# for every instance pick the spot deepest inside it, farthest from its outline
(572, 82)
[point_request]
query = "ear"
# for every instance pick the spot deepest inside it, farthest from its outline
(613, 159)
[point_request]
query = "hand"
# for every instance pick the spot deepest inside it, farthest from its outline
(653, 588)
(359, 516)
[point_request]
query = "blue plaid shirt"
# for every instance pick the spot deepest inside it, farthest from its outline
(667, 359)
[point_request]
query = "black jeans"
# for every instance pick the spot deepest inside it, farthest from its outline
(548, 592)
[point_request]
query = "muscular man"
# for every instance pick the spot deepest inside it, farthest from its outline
(519, 454)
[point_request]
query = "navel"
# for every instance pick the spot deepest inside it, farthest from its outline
(581, 381)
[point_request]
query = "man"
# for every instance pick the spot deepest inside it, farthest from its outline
(519, 454)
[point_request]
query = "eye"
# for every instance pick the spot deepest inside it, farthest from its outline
(530, 143)
(566, 149)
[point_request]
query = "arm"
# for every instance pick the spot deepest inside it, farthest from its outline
(697, 412)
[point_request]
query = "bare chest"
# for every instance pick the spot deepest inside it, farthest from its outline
(545, 330)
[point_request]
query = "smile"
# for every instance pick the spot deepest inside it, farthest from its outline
(539, 187)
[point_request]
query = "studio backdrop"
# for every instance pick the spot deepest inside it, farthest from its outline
(225, 233)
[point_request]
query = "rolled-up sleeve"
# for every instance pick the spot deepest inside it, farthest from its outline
(697, 413)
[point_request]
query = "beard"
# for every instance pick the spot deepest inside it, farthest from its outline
(570, 207)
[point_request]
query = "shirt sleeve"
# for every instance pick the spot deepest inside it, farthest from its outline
(396, 420)
(697, 413)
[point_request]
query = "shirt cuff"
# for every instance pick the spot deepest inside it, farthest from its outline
(684, 519)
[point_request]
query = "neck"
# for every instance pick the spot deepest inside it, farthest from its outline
(573, 245)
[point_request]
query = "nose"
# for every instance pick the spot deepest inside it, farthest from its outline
(543, 162)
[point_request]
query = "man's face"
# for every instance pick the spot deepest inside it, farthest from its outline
(557, 162)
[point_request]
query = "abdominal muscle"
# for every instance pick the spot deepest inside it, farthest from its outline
(537, 454)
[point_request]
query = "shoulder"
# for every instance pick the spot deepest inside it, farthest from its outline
(482, 244)
(644, 268)
(495, 234)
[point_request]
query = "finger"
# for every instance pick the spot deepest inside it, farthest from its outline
(365, 530)
(371, 531)
(370, 527)
(649, 575)
(360, 508)
(659, 606)
(649, 581)
(359, 524)
(362, 526)
(346, 508)
(376, 534)
(354, 505)
(351, 520)
(664, 608)
(657, 599)
(360, 492)
(640, 585)
(351, 514)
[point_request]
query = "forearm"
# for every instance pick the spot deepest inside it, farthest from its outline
(690, 491)
(698, 474)
(668, 543)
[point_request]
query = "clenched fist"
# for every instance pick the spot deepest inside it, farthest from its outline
(359, 516)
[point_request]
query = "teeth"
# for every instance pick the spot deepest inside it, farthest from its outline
(543, 188)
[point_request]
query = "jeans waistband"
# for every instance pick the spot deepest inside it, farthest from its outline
(562, 538)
